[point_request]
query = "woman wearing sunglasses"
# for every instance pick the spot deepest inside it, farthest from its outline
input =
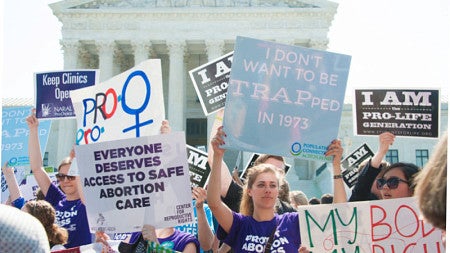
(67, 200)
(397, 181)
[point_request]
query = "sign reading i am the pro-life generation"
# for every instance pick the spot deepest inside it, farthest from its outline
(53, 91)
(351, 164)
(211, 82)
(128, 105)
(284, 100)
(403, 112)
(199, 169)
(144, 179)
(393, 225)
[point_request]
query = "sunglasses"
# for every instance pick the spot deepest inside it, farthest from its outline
(62, 177)
(392, 183)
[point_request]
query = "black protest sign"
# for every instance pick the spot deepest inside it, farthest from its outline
(211, 82)
(413, 113)
(352, 162)
(198, 166)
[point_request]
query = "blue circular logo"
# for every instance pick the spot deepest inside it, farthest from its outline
(296, 148)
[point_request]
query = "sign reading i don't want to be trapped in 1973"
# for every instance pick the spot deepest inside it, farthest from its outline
(402, 112)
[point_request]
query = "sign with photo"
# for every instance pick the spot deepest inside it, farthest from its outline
(393, 225)
(284, 100)
(129, 105)
(410, 112)
(211, 82)
(251, 163)
(199, 169)
(53, 91)
(351, 164)
(145, 179)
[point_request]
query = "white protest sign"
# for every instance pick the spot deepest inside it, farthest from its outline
(370, 226)
(144, 179)
(128, 105)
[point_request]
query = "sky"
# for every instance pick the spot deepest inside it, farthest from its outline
(393, 44)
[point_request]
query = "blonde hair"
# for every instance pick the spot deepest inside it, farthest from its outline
(431, 188)
(247, 206)
(65, 161)
(298, 198)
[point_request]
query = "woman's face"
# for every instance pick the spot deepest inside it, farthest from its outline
(264, 191)
(402, 190)
(68, 186)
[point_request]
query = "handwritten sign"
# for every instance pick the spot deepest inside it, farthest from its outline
(53, 91)
(370, 226)
(144, 179)
(284, 100)
(15, 133)
(412, 113)
(211, 82)
(198, 166)
(128, 105)
(351, 164)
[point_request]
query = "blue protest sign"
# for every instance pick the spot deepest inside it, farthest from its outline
(284, 100)
(53, 91)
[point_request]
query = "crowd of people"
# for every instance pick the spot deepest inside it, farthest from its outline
(250, 215)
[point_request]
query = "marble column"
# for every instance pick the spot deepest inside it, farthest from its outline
(141, 50)
(105, 56)
(177, 88)
(214, 50)
(65, 128)
(71, 50)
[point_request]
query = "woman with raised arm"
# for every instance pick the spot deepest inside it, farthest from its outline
(67, 198)
(257, 228)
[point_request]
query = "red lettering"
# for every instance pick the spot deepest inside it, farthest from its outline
(384, 226)
(402, 217)
(112, 92)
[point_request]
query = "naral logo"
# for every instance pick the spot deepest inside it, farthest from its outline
(296, 148)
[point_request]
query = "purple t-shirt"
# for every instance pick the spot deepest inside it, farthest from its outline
(178, 241)
(248, 235)
(71, 215)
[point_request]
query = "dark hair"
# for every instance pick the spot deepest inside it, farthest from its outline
(327, 198)
(409, 171)
(314, 201)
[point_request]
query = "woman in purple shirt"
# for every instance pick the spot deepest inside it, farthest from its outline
(257, 228)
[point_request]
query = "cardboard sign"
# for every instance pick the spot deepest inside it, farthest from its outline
(211, 82)
(352, 162)
(402, 112)
(144, 179)
(284, 100)
(369, 226)
(53, 91)
(128, 105)
(199, 169)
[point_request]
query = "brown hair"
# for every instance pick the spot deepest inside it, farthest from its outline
(431, 188)
(298, 198)
(45, 213)
(264, 157)
(247, 206)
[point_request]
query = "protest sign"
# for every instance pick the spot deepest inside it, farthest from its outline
(15, 142)
(284, 100)
(198, 166)
(211, 82)
(145, 179)
(380, 226)
(128, 105)
(251, 163)
(52, 91)
(351, 164)
(409, 112)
